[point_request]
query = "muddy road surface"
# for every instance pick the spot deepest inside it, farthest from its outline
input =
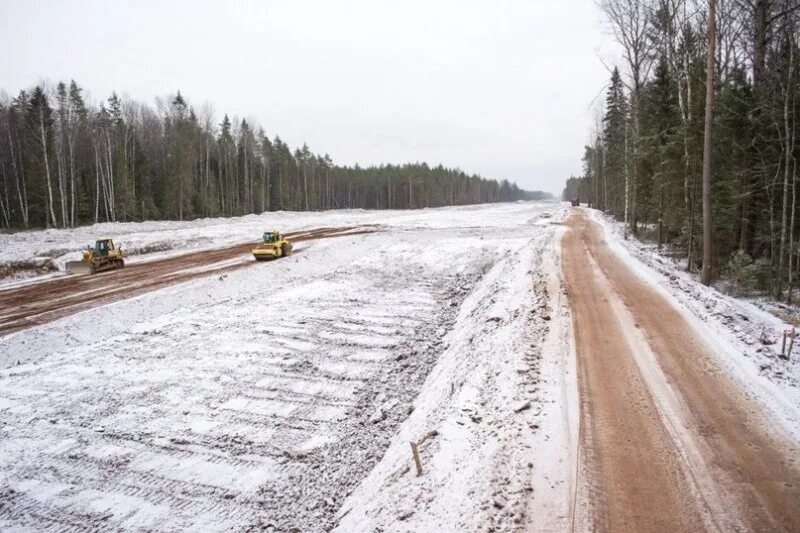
(667, 441)
(41, 302)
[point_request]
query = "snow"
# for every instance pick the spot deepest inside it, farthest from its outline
(246, 401)
(27, 251)
(285, 394)
(734, 327)
(484, 465)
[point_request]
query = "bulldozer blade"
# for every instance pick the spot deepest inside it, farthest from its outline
(78, 267)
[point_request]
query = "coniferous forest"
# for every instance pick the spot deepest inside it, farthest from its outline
(65, 162)
(644, 162)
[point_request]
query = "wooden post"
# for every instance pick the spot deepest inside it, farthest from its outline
(791, 343)
(783, 344)
(417, 462)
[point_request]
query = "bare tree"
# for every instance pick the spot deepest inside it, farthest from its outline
(60, 95)
(41, 125)
(630, 24)
(731, 36)
(5, 204)
(207, 123)
(13, 117)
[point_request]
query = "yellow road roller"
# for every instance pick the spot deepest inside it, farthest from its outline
(273, 246)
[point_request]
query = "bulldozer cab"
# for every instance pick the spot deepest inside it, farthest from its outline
(103, 246)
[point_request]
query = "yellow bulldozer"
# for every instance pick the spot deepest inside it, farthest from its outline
(104, 256)
(273, 246)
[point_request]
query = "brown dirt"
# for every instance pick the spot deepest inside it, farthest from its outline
(45, 301)
(637, 471)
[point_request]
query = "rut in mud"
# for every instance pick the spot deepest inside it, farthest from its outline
(40, 303)
(668, 441)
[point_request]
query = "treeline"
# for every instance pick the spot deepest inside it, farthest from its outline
(65, 162)
(644, 164)
(537, 195)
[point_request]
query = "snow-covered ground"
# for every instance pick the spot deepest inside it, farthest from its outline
(23, 254)
(746, 338)
(496, 415)
(285, 394)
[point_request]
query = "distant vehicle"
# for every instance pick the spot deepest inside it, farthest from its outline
(104, 256)
(274, 245)
(576, 202)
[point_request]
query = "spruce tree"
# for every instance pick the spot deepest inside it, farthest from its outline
(614, 136)
(661, 155)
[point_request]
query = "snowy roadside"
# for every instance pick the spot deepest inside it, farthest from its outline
(497, 415)
(747, 339)
(41, 253)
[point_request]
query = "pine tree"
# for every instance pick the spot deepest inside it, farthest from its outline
(122, 160)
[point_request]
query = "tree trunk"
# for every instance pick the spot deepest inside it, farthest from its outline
(46, 160)
(635, 162)
(112, 212)
(627, 186)
(605, 183)
(788, 149)
(5, 200)
(97, 183)
(761, 8)
(269, 184)
(791, 230)
(71, 144)
(706, 275)
(19, 180)
(305, 186)
(62, 180)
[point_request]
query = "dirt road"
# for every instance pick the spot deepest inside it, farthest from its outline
(668, 442)
(42, 302)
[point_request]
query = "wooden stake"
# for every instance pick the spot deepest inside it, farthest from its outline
(415, 453)
(791, 343)
(783, 344)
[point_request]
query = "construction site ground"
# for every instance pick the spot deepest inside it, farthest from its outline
(553, 376)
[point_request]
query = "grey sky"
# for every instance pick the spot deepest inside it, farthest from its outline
(498, 88)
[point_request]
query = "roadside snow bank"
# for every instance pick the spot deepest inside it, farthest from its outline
(496, 455)
(746, 339)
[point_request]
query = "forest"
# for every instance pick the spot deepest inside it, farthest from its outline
(644, 162)
(66, 162)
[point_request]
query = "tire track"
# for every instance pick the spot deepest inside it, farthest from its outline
(670, 442)
(39, 303)
(218, 417)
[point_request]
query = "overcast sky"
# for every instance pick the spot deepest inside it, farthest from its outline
(503, 89)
